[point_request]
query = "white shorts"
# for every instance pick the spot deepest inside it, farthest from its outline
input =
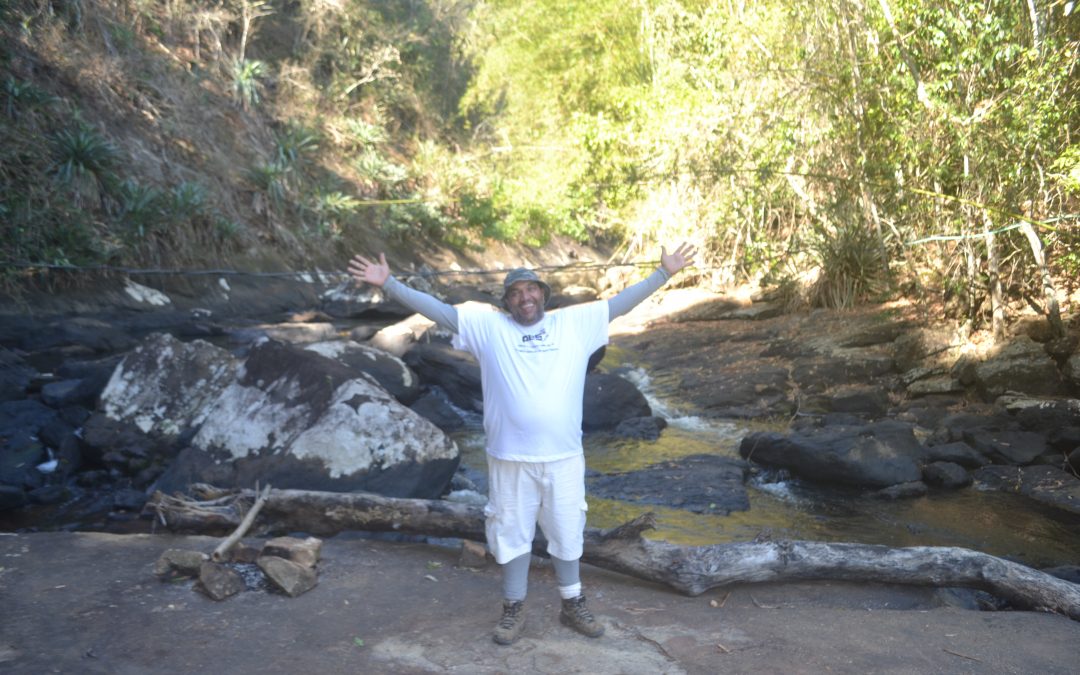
(520, 494)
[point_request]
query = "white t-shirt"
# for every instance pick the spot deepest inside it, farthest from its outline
(533, 377)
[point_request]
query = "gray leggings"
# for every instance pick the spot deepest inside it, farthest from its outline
(516, 575)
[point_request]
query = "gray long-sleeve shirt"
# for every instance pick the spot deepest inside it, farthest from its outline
(446, 315)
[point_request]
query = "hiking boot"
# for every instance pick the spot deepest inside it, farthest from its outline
(512, 622)
(576, 615)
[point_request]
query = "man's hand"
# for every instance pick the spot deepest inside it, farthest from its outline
(369, 271)
(683, 256)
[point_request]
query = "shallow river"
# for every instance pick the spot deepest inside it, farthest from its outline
(1005, 525)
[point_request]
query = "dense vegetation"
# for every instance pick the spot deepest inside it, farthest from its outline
(839, 150)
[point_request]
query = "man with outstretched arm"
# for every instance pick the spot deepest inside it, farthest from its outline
(532, 369)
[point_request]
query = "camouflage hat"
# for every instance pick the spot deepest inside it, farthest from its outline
(524, 274)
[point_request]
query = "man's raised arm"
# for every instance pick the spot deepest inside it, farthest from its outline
(377, 273)
(670, 264)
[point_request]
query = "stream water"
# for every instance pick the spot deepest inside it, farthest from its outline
(782, 507)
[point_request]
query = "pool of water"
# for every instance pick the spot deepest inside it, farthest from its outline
(1001, 524)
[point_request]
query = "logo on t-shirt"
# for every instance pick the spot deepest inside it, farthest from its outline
(537, 336)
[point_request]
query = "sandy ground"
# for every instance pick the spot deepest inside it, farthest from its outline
(89, 603)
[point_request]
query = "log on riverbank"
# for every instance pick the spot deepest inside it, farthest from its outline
(688, 569)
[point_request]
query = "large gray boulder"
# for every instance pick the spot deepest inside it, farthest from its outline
(1007, 447)
(923, 347)
(1049, 485)
(1022, 365)
(21, 450)
(388, 370)
(165, 386)
(876, 455)
(1072, 371)
(609, 400)
(15, 376)
(296, 419)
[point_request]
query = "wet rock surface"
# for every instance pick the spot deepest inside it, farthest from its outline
(851, 389)
(696, 483)
(872, 397)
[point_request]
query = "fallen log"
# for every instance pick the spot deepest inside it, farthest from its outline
(319, 513)
(691, 570)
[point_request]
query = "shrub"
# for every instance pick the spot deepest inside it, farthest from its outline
(272, 179)
(331, 209)
(187, 201)
(82, 158)
(18, 94)
(140, 208)
(296, 144)
(849, 256)
(246, 86)
(361, 134)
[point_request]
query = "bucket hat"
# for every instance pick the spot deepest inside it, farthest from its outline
(524, 274)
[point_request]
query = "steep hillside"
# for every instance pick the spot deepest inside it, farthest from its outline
(198, 134)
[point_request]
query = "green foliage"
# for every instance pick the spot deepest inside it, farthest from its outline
(1066, 170)
(413, 221)
(246, 84)
(272, 178)
(361, 134)
(141, 208)
(778, 136)
(227, 230)
(374, 167)
(82, 154)
(332, 211)
(49, 229)
(849, 256)
(187, 201)
(21, 95)
(297, 144)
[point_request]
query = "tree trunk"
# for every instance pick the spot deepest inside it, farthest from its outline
(688, 569)
(993, 268)
(1053, 311)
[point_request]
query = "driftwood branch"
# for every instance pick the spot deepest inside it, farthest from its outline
(319, 513)
(224, 547)
(688, 569)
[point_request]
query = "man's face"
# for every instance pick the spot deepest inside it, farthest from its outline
(525, 300)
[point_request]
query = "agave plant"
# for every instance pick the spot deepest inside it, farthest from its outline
(296, 144)
(82, 152)
(361, 134)
(245, 82)
(18, 93)
(187, 200)
(140, 207)
(271, 178)
(331, 209)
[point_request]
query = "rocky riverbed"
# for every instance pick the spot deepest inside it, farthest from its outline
(113, 392)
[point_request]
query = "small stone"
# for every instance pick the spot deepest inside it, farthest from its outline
(304, 552)
(179, 562)
(287, 576)
(946, 475)
(218, 581)
(245, 554)
(473, 555)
